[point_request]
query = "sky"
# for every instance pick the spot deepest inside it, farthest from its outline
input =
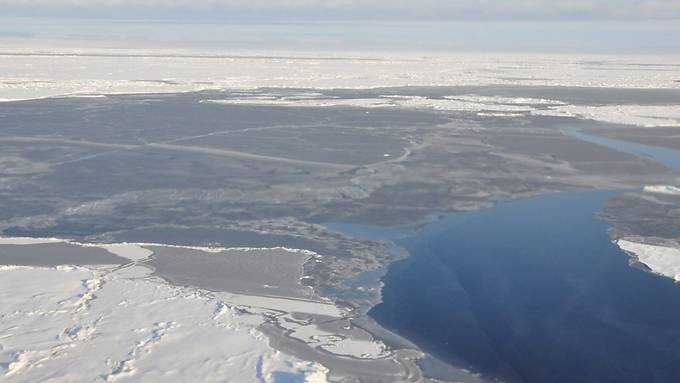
(360, 9)
(600, 26)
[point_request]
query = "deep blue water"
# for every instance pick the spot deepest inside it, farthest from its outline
(534, 291)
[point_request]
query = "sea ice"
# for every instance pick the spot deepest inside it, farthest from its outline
(75, 324)
(660, 259)
(662, 189)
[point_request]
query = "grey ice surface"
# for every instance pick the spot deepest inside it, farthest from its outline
(570, 95)
(668, 137)
(197, 236)
(171, 169)
(639, 214)
(348, 369)
(54, 254)
(253, 272)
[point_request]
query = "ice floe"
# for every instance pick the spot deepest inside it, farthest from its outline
(80, 323)
(28, 241)
(467, 103)
(75, 324)
(34, 73)
(662, 189)
(497, 106)
(640, 115)
(662, 260)
(333, 342)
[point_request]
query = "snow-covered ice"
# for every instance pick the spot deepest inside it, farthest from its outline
(28, 241)
(335, 343)
(640, 115)
(662, 260)
(112, 323)
(469, 103)
(662, 189)
(131, 251)
(75, 324)
(27, 73)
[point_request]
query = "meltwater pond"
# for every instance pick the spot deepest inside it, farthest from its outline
(534, 291)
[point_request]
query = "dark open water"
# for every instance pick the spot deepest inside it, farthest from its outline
(535, 291)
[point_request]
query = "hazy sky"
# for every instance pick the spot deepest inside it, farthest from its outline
(363, 9)
(600, 26)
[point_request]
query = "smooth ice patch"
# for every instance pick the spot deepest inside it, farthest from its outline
(660, 259)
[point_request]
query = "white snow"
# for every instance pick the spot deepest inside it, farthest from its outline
(660, 259)
(662, 189)
(469, 103)
(26, 73)
(353, 347)
(497, 106)
(74, 324)
(77, 323)
(137, 250)
(109, 323)
(27, 240)
(334, 343)
(131, 251)
(640, 115)
(282, 304)
(504, 100)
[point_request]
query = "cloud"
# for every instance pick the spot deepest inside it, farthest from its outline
(375, 9)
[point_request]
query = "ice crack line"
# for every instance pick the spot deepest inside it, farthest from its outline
(125, 367)
(92, 286)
